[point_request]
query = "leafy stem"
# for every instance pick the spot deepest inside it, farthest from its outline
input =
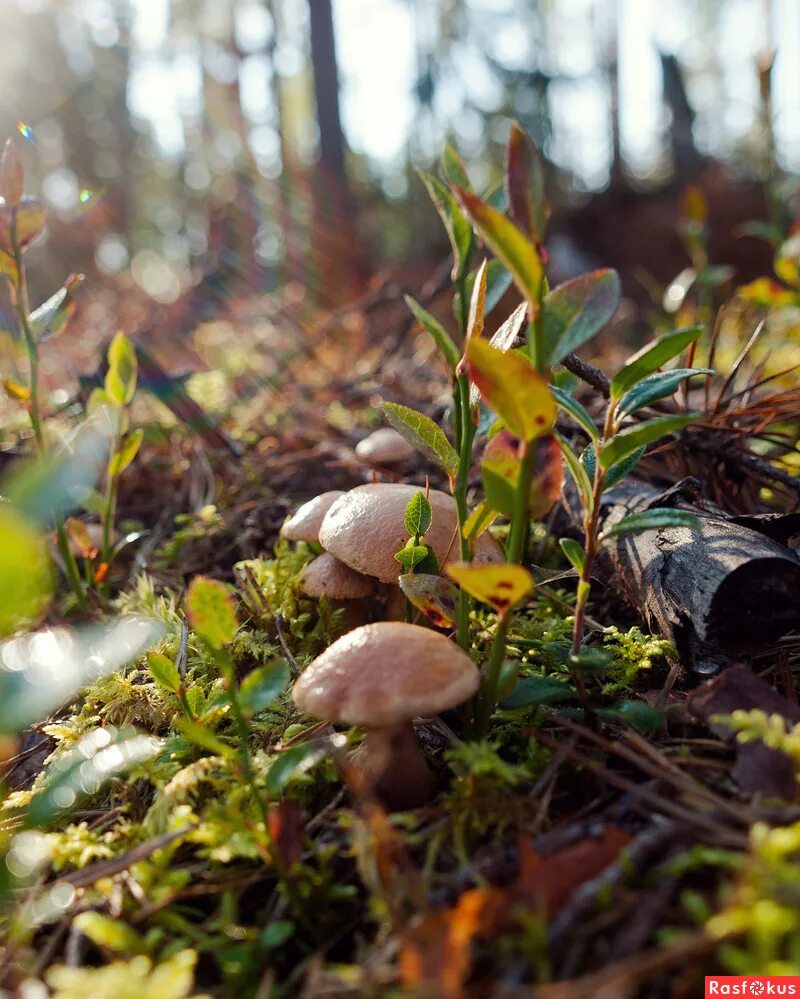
(21, 306)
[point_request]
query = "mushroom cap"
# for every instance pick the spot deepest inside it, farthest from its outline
(304, 524)
(386, 674)
(326, 576)
(384, 446)
(366, 526)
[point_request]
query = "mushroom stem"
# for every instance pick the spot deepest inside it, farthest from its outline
(395, 767)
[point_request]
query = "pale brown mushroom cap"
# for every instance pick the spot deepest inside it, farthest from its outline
(304, 524)
(366, 526)
(326, 576)
(386, 674)
(384, 447)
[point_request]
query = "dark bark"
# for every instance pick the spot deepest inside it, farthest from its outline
(727, 590)
(326, 88)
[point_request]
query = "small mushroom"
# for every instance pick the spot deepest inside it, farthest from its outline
(379, 678)
(326, 576)
(305, 523)
(384, 447)
(366, 526)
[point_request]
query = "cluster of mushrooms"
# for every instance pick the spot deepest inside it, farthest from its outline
(381, 676)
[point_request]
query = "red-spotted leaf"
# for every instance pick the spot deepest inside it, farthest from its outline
(435, 596)
(500, 586)
(514, 390)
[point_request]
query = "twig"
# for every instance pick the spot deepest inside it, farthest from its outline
(284, 645)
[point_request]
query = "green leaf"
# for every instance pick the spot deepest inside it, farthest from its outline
(578, 472)
(577, 310)
(80, 773)
(120, 381)
(616, 472)
(41, 671)
(656, 386)
(651, 357)
(458, 229)
(500, 477)
(628, 441)
(481, 518)
(263, 686)
(516, 252)
(441, 337)
(419, 515)
(513, 388)
(651, 520)
(26, 579)
(637, 713)
(164, 671)
(576, 410)
(411, 557)
(210, 610)
(290, 764)
(423, 434)
(126, 453)
(111, 934)
(573, 552)
(531, 691)
(203, 737)
(434, 595)
(453, 168)
(60, 481)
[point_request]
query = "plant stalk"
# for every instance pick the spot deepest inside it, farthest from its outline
(34, 411)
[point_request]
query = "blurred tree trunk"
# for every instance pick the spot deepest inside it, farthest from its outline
(326, 89)
(336, 248)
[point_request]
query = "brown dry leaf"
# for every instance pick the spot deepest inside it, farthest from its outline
(436, 954)
(546, 881)
(286, 831)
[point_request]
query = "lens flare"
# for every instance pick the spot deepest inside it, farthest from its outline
(26, 132)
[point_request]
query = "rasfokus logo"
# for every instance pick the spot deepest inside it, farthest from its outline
(739, 985)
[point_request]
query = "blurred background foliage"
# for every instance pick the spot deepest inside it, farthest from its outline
(217, 148)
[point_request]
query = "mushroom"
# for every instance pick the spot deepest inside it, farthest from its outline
(384, 447)
(326, 576)
(304, 524)
(366, 526)
(379, 678)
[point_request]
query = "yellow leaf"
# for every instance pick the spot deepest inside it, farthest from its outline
(511, 247)
(16, 391)
(514, 390)
(502, 586)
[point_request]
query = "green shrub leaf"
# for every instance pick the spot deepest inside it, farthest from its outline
(651, 357)
(423, 434)
(419, 515)
(120, 383)
(441, 337)
(651, 520)
(628, 441)
(577, 310)
(534, 690)
(164, 672)
(654, 387)
(211, 612)
(576, 410)
(263, 686)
